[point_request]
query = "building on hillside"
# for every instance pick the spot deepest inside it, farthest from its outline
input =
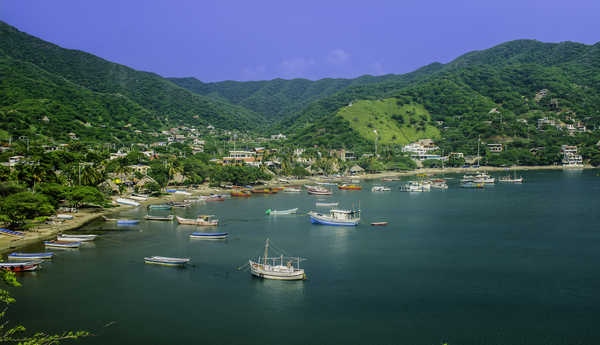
(278, 137)
(139, 168)
(456, 155)
(158, 144)
(14, 160)
(117, 155)
(240, 157)
(496, 148)
(420, 150)
(568, 149)
(356, 169)
(545, 121)
(343, 155)
(570, 156)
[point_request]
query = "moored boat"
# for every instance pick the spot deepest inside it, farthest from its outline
(179, 204)
(20, 266)
(209, 235)
(202, 220)
(379, 223)
(158, 218)
(62, 244)
(243, 194)
(349, 187)
(30, 256)
(127, 202)
(316, 190)
(276, 212)
(380, 189)
(263, 191)
(62, 238)
(87, 237)
(278, 268)
(336, 217)
(414, 186)
(11, 233)
(166, 261)
(326, 204)
(127, 221)
(292, 190)
(160, 207)
(471, 184)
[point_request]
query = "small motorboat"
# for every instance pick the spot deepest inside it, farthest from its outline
(20, 266)
(202, 220)
(179, 204)
(276, 212)
(62, 238)
(64, 216)
(160, 207)
(291, 190)
(326, 204)
(349, 187)
(62, 244)
(89, 237)
(209, 235)
(380, 189)
(127, 202)
(11, 233)
(379, 223)
(158, 218)
(166, 261)
(215, 198)
(30, 256)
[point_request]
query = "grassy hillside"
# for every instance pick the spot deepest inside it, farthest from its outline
(395, 123)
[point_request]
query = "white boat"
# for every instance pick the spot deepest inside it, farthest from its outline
(182, 192)
(128, 202)
(326, 204)
(89, 237)
(138, 197)
(336, 217)
(202, 220)
(380, 189)
(439, 184)
(479, 178)
(276, 212)
(509, 179)
(166, 261)
(414, 186)
(278, 268)
(292, 190)
(73, 239)
(64, 216)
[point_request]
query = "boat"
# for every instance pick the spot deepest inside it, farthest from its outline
(316, 190)
(30, 256)
(128, 202)
(326, 204)
(263, 191)
(166, 261)
(292, 190)
(514, 179)
(277, 189)
(380, 189)
(209, 235)
(182, 192)
(160, 207)
(89, 237)
(215, 198)
(390, 179)
(202, 220)
(179, 204)
(64, 216)
(349, 187)
(138, 197)
(11, 233)
(62, 238)
(243, 194)
(20, 266)
(278, 268)
(275, 212)
(414, 186)
(439, 184)
(336, 217)
(479, 178)
(62, 244)
(158, 218)
(194, 200)
(127, 221)
(379, 223)
(471, 184)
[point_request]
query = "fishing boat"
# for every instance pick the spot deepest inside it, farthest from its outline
(62, 244)
(349, 187)
(179, 204)
(380, 189)
(439, 184)
(278, 268)
(166, 261)
(509, 179)
(62, 238)
(11, 233)
(326, 204)
(336, 217)
(202, 220)
(414, 186)
(276, 212)
(215, 198)
(292, 190)
(160, 207)
(89, 237)
(243, 194)
(30, 256)
(471, 184)
(316, 190)
(20, 266)
(64, 216)
(209, 235)
(379, 223)
(158, 218)
(277, 189)
(263, 191)
(127, 202)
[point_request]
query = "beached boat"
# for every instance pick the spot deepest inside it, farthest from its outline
(349, 187)
(336, 217)
(30, 256)
(128, 202)
(202, 220)
(138, 197)
(179, 204)
(11, 233)
(326, 204)
(62, 238)
(88, 237)
(379, 223)
(380, 189)
(277, 189)
(243, 194)
(276, 212)
(209, 235)
(182, 192)
(20, 266)
(158, 218)
(64, 216)
(166, 261)
(278, 268)
(62, 244)
(160, 207)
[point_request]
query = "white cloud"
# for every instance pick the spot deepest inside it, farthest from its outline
(338, 57)
(296, 67)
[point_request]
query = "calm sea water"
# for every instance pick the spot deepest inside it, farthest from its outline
(511, 264)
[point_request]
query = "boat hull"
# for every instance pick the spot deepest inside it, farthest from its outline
(323, 220)
(30, 256)
(54, 244)
(20, 266)
(165, 261)
(209, 236)
(257, 271)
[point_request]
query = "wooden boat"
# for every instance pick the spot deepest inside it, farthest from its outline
(62, 238)
(379, 223)
(263, 191)
(11, 233)
(158, 218)
(88, 237)
(278, 268)
(30, 256)
(326, 204)
(275, 212)
(349, 187)
(209, 235)
(20, 266)
(202, 220)
(127, 202)
(166, 261)
(316, 190)
(62, 244)
(336, 217)
(243, 194)
(138, 197)
(160, 207)
(277, 189)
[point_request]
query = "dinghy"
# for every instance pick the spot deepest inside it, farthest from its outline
(160, 207)
(127, 202)
(209, 235)
(275, 212)
(11, 233)
(62, 238)
(166, 261)
(89, 237)
(30, 256)
(62, 244)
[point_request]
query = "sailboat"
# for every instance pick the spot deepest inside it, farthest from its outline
(514, 179)
(278, 268)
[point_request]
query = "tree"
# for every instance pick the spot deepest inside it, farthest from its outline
(299, 171)
(17, 208)
(80, 195)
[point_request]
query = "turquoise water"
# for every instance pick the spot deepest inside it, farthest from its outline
(511, 264)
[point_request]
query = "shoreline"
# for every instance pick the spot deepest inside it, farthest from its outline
(49, 231)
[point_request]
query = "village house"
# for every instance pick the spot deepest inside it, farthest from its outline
(117, 155)
(420, 150)
(278, 137)
(14, 160)
(545, 121)
(343, 155)
(496, 148)
(139, 168)
(240, 157)
(158, 144)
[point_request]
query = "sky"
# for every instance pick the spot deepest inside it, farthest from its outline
(257, 40)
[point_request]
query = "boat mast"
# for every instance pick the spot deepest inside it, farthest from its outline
(266, 252)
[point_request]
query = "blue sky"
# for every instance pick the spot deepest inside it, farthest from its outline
(256, 40)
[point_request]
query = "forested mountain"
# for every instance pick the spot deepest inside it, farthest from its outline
(37, 75)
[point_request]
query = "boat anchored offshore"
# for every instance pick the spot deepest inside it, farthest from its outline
(350, 187)
(30, 256)
(336, 217)
(62, 244)
(159, 218)
(326, 204)
(166, 261)
(278, 268)
(380, 189)
(276, 212)
(202, 220)
(20, 266)
(209, 235)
